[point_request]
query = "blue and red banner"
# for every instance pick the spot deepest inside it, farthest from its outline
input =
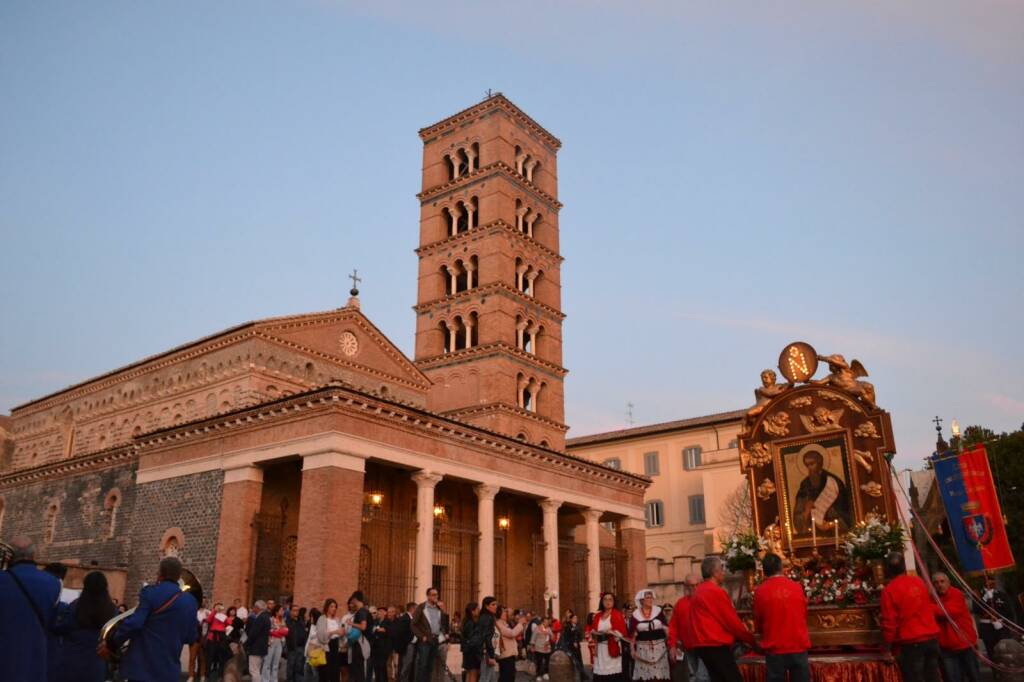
(972, 507)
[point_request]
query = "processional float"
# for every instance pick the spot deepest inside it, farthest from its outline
(816, 456)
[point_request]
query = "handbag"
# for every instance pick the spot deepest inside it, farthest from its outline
(317, 658)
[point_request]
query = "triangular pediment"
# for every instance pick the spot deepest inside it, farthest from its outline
(348, 339)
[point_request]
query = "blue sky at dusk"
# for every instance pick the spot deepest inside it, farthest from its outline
(735, 176)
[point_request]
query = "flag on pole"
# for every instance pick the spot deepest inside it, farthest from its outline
(972, 507)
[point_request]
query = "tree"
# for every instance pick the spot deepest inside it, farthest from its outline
(737, 513)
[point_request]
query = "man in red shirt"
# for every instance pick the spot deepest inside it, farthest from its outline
(957, 636)
(908, 622)
(714, 625)
(679, 632)
(780, 615)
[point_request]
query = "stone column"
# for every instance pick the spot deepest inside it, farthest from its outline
(530, 277)
(630, 537)
(520, 160)
(236, 543)
(550, 508)
(425, 483)
(521, 218)
(485, 552)
(593, 519)
(330, 526)
(529, 166)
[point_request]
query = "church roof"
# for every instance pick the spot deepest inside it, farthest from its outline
(654, 429)
(245, 326)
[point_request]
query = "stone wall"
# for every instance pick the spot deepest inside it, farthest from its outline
(181, 514)
(80, 510)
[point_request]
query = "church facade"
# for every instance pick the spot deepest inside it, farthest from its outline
(304, 456)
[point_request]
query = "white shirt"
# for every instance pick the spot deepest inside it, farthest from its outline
(333, 624)
(605, 664)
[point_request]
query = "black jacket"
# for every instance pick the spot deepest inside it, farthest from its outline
(485, 627)
(403, 632)
(297, 634)
(382, 644)
(470, 636)
(257, 631)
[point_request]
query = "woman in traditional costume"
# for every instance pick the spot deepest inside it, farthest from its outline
(649, 629)
(608, 630)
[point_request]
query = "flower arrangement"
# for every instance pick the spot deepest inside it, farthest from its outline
(873, 539)
(836, 586)
(742, 549)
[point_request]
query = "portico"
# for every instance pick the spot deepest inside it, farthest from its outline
(404, 510)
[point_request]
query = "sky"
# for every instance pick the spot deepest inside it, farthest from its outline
(734, 175)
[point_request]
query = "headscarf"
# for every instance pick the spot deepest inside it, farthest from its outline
(638, 600)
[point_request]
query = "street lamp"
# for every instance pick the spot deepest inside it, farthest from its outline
(503, 523)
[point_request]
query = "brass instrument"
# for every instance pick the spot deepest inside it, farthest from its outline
(187, 582)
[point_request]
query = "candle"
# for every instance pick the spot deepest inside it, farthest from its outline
(835, 524)
(814, 532)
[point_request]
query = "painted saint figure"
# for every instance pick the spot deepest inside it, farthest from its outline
(821, 496)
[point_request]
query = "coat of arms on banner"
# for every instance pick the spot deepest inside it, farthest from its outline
(978, 528)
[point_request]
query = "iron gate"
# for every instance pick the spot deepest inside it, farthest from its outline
(267, 569)
(387, 556)
(455, 559)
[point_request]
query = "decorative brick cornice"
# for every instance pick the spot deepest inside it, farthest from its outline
(498, 101)
(488, 229)
(154, 363)
(498, 168)
(497, 348)
(487, 408)
(419, 382)
(102, 459)
(391, 413)
(488, 290)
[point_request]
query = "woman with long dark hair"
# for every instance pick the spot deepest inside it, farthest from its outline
(608, 630)
(472, 642)
(79, 623)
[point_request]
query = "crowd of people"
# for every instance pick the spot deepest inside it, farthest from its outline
(698, 638)
(931, 639)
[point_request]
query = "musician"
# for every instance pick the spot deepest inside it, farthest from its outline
(28, 602)
(163, 623)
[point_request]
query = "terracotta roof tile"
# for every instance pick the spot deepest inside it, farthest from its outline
(652, 429)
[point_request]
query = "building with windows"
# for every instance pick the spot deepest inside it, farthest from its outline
(305, 456)
(696, 487)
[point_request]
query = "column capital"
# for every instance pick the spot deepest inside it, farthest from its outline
(592, 515)
(334, 458)
(631, 524)
(244, 473)
(425, 478)
(486, 491)
(549, 505)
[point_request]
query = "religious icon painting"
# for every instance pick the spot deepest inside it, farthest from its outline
(817, 485)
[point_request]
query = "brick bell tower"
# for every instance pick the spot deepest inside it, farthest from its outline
(488, 313)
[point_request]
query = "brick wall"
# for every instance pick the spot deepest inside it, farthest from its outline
(82, 524)
(191, 503)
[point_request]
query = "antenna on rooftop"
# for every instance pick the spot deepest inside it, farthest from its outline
(629, 413)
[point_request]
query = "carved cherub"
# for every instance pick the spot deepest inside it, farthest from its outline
(845, 376)
(768, 390)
